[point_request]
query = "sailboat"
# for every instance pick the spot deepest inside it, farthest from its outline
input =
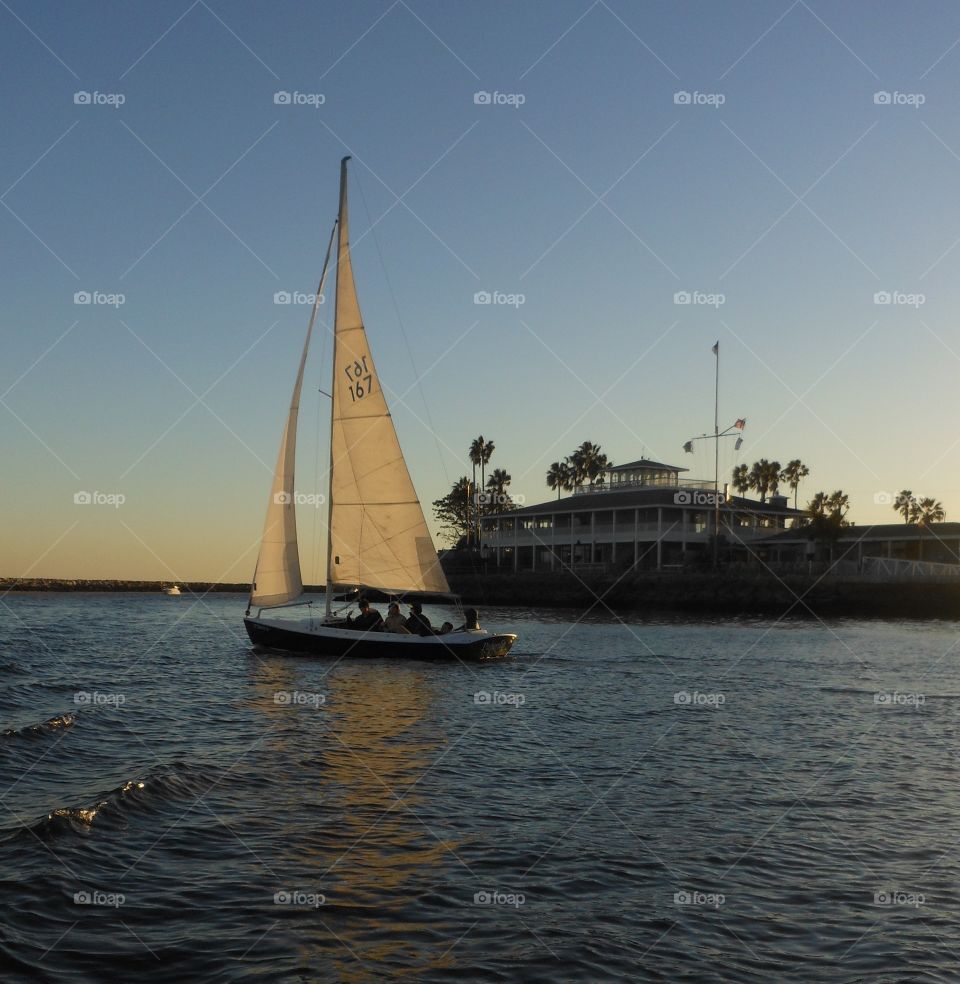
(377, 537)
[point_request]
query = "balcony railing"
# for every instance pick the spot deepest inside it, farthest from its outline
(651, 483)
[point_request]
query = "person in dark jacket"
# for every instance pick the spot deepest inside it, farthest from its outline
(418, 623)
(369, 618)
(471, 621)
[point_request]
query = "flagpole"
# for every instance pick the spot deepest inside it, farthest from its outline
(716, 458)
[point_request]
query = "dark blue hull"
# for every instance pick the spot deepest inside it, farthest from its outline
(338, 643)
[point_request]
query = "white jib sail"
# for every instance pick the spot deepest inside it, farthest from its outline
(378, 535)
(277, 577)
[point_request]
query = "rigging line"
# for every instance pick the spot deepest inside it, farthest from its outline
(403, 330)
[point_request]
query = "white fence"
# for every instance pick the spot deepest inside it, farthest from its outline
(888, 567)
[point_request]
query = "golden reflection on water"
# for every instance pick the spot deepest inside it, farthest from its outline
(363, 761)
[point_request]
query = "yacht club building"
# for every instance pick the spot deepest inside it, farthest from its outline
(645, 514)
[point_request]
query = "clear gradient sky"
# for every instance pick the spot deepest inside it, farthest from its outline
(600, 197)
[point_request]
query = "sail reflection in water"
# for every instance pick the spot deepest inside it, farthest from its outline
(359, 743)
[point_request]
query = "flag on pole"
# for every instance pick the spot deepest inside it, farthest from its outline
(716, 348)
(740, 424)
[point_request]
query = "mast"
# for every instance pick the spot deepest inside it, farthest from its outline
(333, 385)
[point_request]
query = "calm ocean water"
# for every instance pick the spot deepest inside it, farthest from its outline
(661, 800)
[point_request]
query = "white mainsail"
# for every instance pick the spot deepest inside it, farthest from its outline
(378, 535)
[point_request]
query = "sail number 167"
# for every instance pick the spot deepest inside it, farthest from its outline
(361, 379)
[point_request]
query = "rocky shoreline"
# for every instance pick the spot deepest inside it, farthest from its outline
(762, 593)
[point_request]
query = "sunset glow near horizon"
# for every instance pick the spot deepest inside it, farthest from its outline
(555, 211)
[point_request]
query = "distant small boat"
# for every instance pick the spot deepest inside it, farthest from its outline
(377, 537)
(172, 590)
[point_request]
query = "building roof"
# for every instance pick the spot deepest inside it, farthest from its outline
(639, 496)
(647, 463)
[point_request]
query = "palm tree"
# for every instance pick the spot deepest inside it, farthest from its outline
(480, 453)
(764, 476)
(486, 453)
(740, 479)
(497, 489)
(476, 457)
(588, 462)
(928, 511)
(794, 472)
(773, 476)
(558, 477)
(839, 505)
(905, 504)
(817, 507)
(825, 516)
